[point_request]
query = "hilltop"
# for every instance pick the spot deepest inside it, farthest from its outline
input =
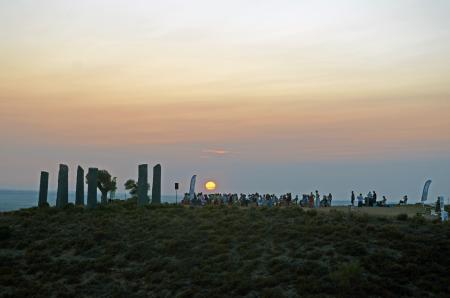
(119, 250)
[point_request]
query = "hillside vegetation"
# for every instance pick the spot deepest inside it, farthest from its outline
(168, 251)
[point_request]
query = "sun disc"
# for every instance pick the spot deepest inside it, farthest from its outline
(210, 185)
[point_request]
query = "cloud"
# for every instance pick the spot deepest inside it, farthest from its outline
(220, 152)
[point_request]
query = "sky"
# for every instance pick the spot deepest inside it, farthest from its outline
(269, 96)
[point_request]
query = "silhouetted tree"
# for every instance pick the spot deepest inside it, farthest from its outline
(132, 187)
(105, 183)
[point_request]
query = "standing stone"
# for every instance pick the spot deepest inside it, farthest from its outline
(62, 196)
(92, 188)
(43, 190)
(143, 185)
(79, 192)
(156, 191)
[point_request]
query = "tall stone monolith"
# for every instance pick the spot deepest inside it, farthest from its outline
(62, 195)
(92, 188)
(156, 190)
(79, 191)
(143, 185)
(43, 190)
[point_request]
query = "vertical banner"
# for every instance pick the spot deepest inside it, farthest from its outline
(192, 189)
(425, 190)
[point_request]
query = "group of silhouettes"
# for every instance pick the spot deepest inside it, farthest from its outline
(312, 200)
(371, 200)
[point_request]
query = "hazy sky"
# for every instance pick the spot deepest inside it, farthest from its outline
(258, 95)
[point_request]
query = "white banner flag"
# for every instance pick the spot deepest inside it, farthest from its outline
(192, 189)
(425, 190)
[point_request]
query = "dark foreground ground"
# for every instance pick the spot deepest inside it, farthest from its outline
(168, 251)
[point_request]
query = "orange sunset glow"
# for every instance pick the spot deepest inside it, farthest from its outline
(220, 87)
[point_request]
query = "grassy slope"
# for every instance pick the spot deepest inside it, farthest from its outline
(120, 250)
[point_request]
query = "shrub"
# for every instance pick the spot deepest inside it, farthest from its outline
(371, 228)
(44, 205)
(352, 248)
(5, 233)
(364, 218)
(272, 292)
(419, 219)
(402, 216)
(311, 212)
(69, 206)
(347, 275)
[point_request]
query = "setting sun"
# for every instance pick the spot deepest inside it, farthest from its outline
(210, 185)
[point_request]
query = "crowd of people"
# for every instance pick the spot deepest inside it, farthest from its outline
(312, 200)
(371, 200)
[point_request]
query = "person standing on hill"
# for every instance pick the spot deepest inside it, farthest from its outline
(369, 198)
(353, 198)
(437, 208)
(311, 200)
(360, 200)
(317, 199)
(374, 199)
(330, 198)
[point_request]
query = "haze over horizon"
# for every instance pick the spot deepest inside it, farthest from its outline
(268, 96)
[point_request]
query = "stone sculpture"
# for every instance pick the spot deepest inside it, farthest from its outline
(43, 190)
(62, 195)
(156, 190)
(143, 185)
(92, 188)
(79, 192)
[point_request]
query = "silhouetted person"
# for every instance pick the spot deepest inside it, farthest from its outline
(353, 198)
(369, 198)
(311, 200)
(404, 201)
(438, 205)
(381, 203)
(360, 200)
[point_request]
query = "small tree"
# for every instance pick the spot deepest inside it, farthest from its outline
(112, 193)
(105, 183)
(132, 186)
